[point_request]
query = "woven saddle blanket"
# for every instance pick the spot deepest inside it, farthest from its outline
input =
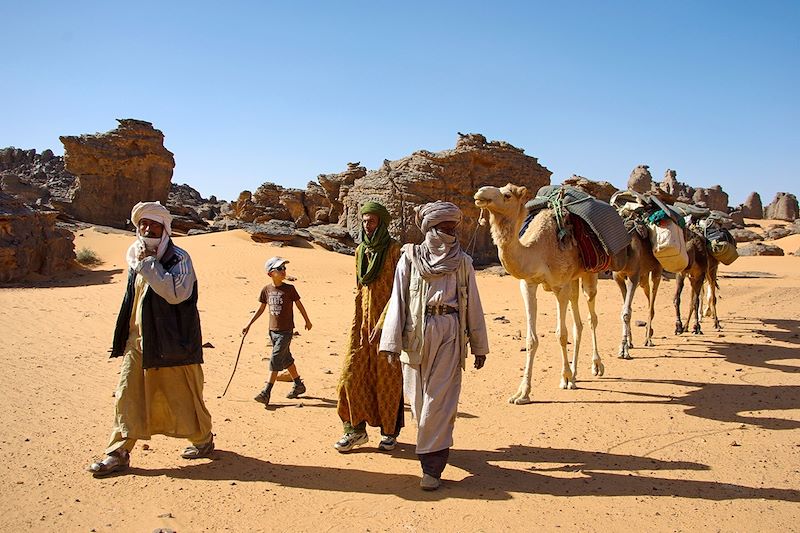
(601, 218)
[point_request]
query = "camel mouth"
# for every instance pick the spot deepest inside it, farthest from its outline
(479, 202)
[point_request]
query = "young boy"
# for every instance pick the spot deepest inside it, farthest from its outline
(279, 296)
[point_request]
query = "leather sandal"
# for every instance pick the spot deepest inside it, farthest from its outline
(198, 452)
(112, 463)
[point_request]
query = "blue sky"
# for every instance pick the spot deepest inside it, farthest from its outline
(247, 92)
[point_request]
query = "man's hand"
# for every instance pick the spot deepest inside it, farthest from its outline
(480, 360)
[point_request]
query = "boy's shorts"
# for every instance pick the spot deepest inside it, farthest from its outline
(281, 356)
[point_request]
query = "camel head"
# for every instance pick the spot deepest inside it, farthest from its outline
(506, 202)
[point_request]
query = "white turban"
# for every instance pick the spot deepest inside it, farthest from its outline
(152, 211)
(429, 215)
(439, 253)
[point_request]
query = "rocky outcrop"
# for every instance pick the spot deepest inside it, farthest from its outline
(30, 242)
(680, 191)
(602, 190)
(713, 198)
(450, 175)
(336, 187)
(745, 235)
(117, 169)
(783, 207)
(779, 231)
(752, 207)
(640, 179)
(36, 179)
(759, 248)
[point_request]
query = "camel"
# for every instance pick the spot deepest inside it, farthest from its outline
(702, 268)
(639, 267)
(539, 259)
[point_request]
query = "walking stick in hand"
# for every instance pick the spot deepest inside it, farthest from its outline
(234, 365)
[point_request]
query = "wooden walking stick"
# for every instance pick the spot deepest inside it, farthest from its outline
(234, 366)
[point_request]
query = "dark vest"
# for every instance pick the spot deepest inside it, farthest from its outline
(171, 334)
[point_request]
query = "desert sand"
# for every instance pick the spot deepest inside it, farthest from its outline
(696, 433)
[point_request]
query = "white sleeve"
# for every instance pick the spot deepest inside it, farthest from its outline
(175, 285)
(394, 323)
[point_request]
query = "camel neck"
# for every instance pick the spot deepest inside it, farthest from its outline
(512, 253)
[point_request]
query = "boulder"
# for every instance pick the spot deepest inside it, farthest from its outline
(783, 207)
(272, 230)
(745, 235)
(779, 231)
(713, 198)
(115, 170)
(752, 207)
(450, 175)
(336, 187)
(602, 190)
(333, 237)
(30, 242)
(674, 188)
(759, 248)
(640, 179)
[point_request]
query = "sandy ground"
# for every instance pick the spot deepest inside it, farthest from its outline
(696, 433)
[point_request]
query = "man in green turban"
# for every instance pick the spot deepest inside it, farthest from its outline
(371, 387)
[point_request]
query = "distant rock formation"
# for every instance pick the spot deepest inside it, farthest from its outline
(30, 242)
(783, 207)
(36, 179)
(760, 248)
(752, 207)
(117, 169)
(640, 179)
(450, 175)
(713, 198)
(602, 190)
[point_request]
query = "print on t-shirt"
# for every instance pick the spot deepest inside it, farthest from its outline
(280, 299)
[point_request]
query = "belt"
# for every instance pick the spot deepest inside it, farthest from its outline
(440, 310)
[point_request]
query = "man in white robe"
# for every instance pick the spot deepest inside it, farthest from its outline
(433, 313)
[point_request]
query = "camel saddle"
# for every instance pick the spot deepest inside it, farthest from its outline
(601, 218)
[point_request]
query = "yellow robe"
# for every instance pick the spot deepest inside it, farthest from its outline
(157, 401)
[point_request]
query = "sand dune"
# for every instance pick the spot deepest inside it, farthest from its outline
(698, 432)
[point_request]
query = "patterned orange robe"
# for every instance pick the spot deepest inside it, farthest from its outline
(370, 388)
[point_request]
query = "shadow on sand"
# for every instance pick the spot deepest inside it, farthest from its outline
(74, 278)
(592, 473)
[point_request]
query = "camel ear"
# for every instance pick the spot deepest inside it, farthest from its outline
(519, 192)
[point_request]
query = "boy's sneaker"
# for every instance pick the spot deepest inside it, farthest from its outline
(387, 443)
(263, 397)
(298, 389)
(350, 441)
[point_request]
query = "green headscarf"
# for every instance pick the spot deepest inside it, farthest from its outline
(371, 253)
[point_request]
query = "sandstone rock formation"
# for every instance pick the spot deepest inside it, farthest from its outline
(680, 191)
(450, 175)
(713, 198)
(779, 231)
(640, 179)
(759, 248)
(745, 235)
(117, 169)
(602, 190)
(39, 179)
(752, 207)
(30, 242)
(783, 207)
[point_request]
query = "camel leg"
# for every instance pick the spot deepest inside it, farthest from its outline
(711, 279)
(651, 301)
(623, 289)
(630, 287)
(577, 326)
(528, 290)
(562, 299)
(694, 307)
(679, 279)
(589, 284)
